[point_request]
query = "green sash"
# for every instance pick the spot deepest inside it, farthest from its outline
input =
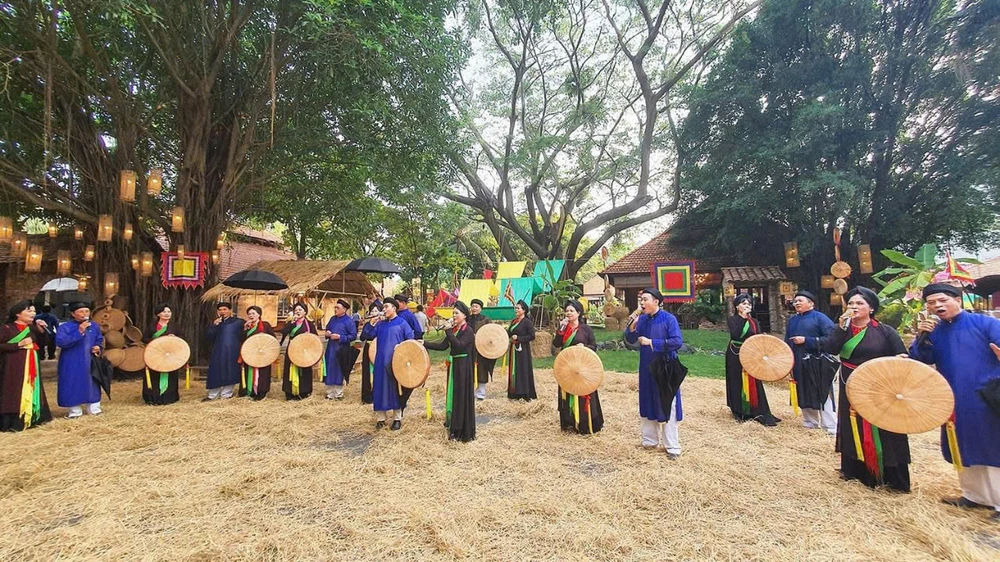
(24, 333)
(848, 349)
(746, 328)
(451, 386)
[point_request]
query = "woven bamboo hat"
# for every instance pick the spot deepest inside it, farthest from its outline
(260, 350)
(166, 354)
(109, 319)
(492, 341)
(132, 334)
(114, 356)
(900, 395)
(134, 359)
(410, 364)
(840, 286)
(371, 350)
(578, 370)
(766, 358)
(840, 269)
(114, 339)
(305, 350)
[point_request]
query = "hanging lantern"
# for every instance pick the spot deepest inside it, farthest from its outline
(826, 281)
(63, 262)
(88, 254)
(77, 233)
(785, 288)
(53, 230)
(19, 244)
(33, 259)
(127, 231)
(865, 258)
(729, 290)
(83, 283)
(127, 186)
(180, 251)
(6, 229)
(791, 254)
(154, 183)
(177, 219)
(220, 242)
(110, 284)
(146, 265)
(215, 256)
(105, 228)
(836, 300)
(135, 262)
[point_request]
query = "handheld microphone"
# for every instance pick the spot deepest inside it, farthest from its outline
(922, 338)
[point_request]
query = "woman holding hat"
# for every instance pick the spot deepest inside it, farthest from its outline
(745, 395)
(874, 456)
(520, 371)
(577, 413)
(160, 388)
(255, 382)
(460, 409)
(22, 396)
(297, 381)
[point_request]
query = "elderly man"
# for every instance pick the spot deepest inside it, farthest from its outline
(813, 372)
(226, 336)
(80, 340)
(965, 348)
(340, 331)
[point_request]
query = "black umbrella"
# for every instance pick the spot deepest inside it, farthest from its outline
(100, 371)
(373, 265)
(256, 280)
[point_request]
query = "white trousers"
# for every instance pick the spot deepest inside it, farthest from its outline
(222, 392)
(825, 418)
(396, 414)
(334, 391)
(981, 484)
(92, 409)
(653, 431)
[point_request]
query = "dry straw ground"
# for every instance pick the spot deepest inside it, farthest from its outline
(313, 480)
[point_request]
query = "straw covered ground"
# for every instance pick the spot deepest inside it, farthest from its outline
(313, 480)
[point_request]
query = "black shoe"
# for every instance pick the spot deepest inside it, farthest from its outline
(964, 502)
(380, 424)
(673, 456)
(396, 425)
(206, 399)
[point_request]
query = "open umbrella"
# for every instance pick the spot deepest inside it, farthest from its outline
(373, 265)
(61, 284)
(255, 280)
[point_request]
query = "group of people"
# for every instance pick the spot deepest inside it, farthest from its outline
(964, 347)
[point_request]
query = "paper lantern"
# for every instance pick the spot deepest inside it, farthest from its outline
(865, 258)
(110, 284)
(177, 219)
(83, 283)
(63, 262)
(19, 245)
(215, 256)
(826, 281)
(146, 265)
(127, 231)
(33, 259)
(105, 228)
(127, 182)
(6, 229)
(135, 262)
(791, 254)
(77, 233)
(154, 183)
(53, 230)
(785, 288)
(180, 251)
(88, 254)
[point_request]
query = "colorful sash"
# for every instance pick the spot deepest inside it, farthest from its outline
(451, 386)
(31, 388)
(572, 400)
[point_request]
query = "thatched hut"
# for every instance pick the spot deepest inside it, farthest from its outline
(318, 283)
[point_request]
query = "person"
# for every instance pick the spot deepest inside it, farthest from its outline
(79, 340)
(51, 324)
(812, 372)
(226, 336)
(22, 396)
(297, 382)
(965, 349)
(482, 367)
(340, 331)
(388, 397)
(161, 388)
(658, 334)
(367, 368)
(421, 317)
(255, 382)
(520, 371)
(405, 314)
(871, 455)
(460, 406)
(745, 395)
(581, 414)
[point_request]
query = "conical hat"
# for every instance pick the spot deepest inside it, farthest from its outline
(110, 319)
(900, 395)
(305, 350)
(166, 354)
(260, 350)
(578, 370)
(114, 356)
(492, 341)
(371, 350)
(114, 340)
(133, 334)
(766, 358)
(134, 360)
(410, 364)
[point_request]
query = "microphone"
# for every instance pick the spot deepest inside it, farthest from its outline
(924, 335)
(846, 324)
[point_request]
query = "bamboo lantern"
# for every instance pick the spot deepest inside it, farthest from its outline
(110, 284)
(83, 284)
(836, 300)
(105, 228)
(826, 281)
(127, 186)
(791, 254)
(127, 231)
(33, 259)
(19, 244)
(215, 256)
(154, 183)
(177, 219)
(88, 254)
(6, 229)
(146, 267)
(135, 262)
(180, 251)
(865, 258)
(77, 233)
(53, 230)
(63, 262)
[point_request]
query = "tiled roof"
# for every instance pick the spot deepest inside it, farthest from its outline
(659, 249)
(262, 235)
(985, 269)
(750, 273)
(237, 256)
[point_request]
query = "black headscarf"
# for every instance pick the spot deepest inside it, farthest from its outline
(461, 307)
(302, 305)
(476, 301)
(393, 302)
(160, 308)
(75, 306)
(17, 309)
(653, 293)
(523, 305)
(575, 304)
(344, 304)
(223, 305)
(806, 294)
(257, 308)
(401, 298)
(742, 297)
(935, 288)
(869, 295)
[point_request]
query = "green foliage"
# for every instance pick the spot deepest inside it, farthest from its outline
(707, 305)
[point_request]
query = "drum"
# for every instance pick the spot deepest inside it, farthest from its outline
(578, 370)
(410, 364)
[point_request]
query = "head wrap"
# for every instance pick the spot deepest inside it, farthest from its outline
(223, 305)
(741, 298)
(869, 295)
(344, 304)
(160, 308)
(575, 304)
(257, 308)
(806, 294)
(401, 298)
(374, 307)
(523, 305)
(935, 288)
(17, 309)
(74, 307)
(461, 307)
(476, 301)
(653, 293)
(302, 305)
(393, 302)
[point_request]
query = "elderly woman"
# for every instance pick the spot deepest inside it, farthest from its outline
(254, 382)
(744, 394)
(161, 388)
(460, 408)
(520, 371)
(581, 414)
(872, 455)
(22, 397)
(297, 382)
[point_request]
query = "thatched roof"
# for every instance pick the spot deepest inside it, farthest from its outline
(302, 276)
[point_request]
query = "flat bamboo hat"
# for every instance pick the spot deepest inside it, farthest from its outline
(110, 319)
(578, 370)
(410, 364)
(371, 350)
(115, 340)
(134, 360)
(114, 356)
(840, 287)
(492, 341)
(166, 354)
(132, 334)
(260, 350)
(900, 395)
(305, 350)
(840, 269)
(766, 358)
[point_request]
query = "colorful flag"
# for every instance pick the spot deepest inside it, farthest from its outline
(956, 271)
(508, 293)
